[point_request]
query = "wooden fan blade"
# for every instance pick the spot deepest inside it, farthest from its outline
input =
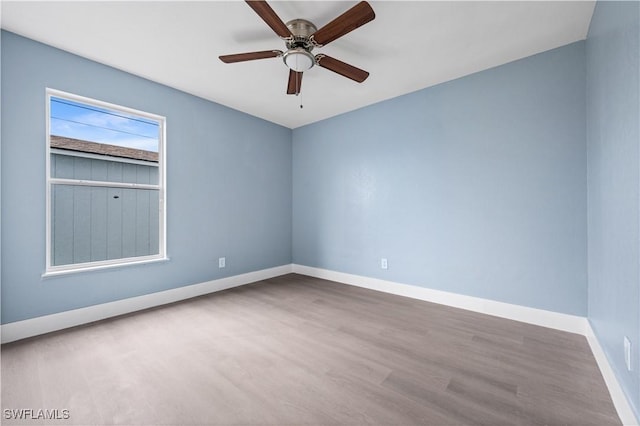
(353, 18)
(295, 83)
(250, 56)
(342, 68)
(267, 14)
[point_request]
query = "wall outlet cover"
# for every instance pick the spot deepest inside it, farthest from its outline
(222, 262)
(627, 352)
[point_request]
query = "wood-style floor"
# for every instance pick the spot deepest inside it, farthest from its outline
(296, 350)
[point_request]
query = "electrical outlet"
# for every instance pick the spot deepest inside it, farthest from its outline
(383, 263)
(222, 262)
(627, 352)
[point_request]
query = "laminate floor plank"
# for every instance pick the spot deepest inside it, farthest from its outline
(296, 350)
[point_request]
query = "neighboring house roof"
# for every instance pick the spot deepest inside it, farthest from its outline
(70, 144)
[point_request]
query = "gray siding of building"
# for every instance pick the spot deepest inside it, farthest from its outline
(101, 223)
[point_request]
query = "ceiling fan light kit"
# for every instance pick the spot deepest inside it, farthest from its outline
(301, 37)
(298, 59)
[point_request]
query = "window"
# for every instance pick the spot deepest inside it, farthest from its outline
(105, 184)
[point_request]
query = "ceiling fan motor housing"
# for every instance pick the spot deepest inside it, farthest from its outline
(301, 30)
(298, 56)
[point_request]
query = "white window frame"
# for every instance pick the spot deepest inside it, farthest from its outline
(50, 269)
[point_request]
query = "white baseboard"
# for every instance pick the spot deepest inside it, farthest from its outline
(555, 320)
(32, 327)
(549, 319)
(615, 390)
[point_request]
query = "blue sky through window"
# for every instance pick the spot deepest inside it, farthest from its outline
(92, 123)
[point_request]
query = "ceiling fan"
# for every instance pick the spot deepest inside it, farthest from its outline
(301, 37)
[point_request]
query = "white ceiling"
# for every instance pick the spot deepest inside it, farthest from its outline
(409, 46)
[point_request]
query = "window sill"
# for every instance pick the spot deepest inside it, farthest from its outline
(89, 267)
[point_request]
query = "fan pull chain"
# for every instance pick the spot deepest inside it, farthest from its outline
(298, 86)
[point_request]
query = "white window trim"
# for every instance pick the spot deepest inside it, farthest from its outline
(83, 182)
(51, 270)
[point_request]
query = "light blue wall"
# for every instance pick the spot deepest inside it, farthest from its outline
(476, 186)
(613, 143)
(228, 189)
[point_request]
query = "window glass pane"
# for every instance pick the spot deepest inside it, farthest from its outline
(108, 129)
(92, 223)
